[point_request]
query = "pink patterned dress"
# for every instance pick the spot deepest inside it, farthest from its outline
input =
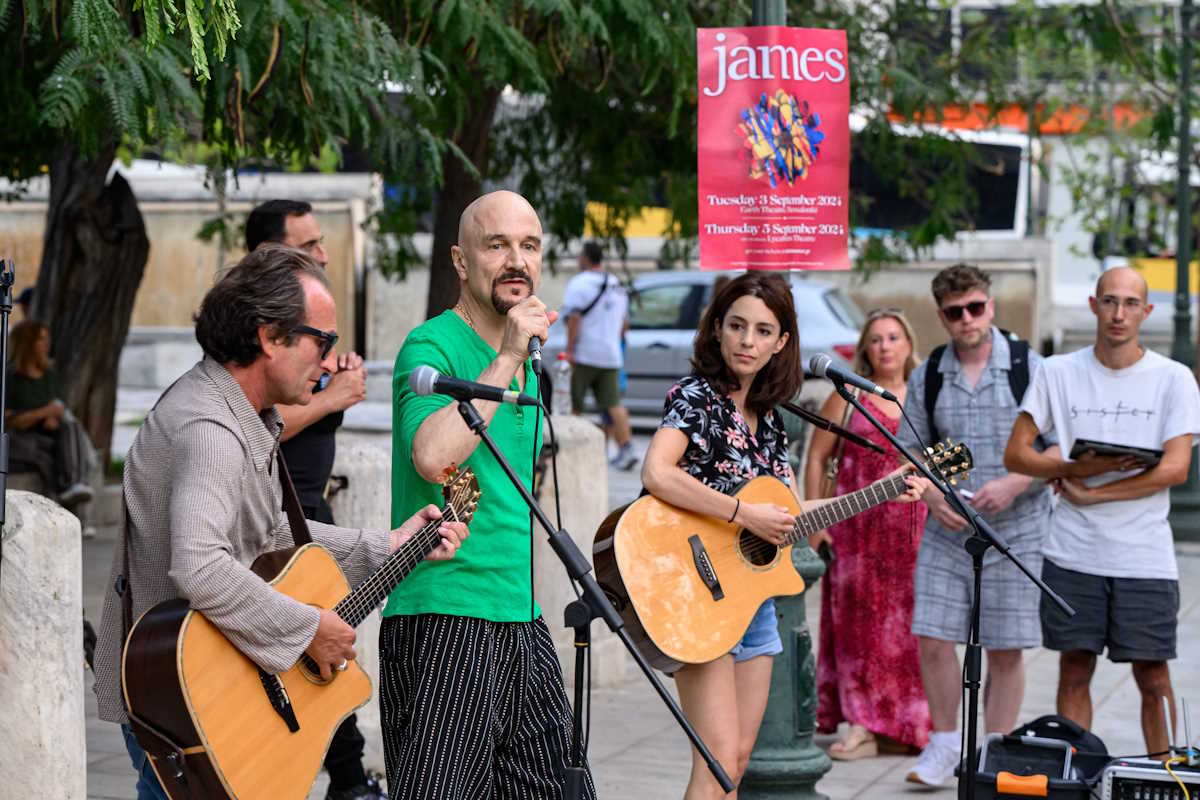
(867, 666)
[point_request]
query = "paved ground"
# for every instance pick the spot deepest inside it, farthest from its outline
(636, 749)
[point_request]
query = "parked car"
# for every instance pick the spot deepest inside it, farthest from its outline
(665, 310)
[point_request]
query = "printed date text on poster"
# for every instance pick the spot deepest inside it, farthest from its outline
(774, 148)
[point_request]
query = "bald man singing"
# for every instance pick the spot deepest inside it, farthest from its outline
(471, 690)
(1109, 549)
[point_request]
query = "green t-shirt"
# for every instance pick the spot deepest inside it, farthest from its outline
(25, 393)
(488, 578)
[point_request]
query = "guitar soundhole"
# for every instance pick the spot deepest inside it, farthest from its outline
(758, 552)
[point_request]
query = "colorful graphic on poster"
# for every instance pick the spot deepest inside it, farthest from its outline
(774, 148)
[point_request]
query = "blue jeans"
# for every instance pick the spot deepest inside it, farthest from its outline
(148, 787)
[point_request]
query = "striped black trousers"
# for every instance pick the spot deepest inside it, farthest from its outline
(472, 709)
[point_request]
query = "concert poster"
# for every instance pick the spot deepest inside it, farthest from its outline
(773, 148)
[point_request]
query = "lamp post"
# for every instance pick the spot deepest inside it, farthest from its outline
(785, 763)
(1185, 498)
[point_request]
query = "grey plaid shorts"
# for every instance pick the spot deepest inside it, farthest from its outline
(943, 592)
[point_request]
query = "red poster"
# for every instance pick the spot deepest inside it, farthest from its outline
(774, 148)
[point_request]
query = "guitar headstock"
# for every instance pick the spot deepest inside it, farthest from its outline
(461, 492)
(951, 460)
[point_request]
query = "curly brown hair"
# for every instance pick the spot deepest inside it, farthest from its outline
(959, 279)
(780, 379)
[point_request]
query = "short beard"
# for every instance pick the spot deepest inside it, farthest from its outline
(503, 304)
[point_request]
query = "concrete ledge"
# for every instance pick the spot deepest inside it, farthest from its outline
(41, 651)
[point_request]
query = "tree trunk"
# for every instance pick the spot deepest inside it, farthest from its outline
(94, 253)
(459, 188)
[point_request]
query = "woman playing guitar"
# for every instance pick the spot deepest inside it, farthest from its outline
(720, 428)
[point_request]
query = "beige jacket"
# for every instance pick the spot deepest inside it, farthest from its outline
(203, 501)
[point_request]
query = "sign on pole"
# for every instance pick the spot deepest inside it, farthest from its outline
(774, 148)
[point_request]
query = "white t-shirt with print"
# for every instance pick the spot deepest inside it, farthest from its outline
(599, 340)
(1143, 405)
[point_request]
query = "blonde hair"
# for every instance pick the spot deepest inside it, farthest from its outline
(862, 364)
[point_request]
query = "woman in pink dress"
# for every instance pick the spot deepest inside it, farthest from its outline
(868, 672)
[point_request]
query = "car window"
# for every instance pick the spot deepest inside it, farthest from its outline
(844, 308)
(660, 307)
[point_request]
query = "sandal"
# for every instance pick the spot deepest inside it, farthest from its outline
(866, 746)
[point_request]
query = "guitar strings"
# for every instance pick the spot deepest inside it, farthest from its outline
(356, 605)
(761, 549)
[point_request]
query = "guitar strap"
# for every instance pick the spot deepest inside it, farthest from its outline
(291, 505)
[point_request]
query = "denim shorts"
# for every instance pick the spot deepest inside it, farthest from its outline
(762, 637)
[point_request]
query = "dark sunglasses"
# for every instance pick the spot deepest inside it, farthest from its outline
(328, 340)
(955, 313)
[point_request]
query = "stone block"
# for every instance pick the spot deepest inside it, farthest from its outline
(41, 651)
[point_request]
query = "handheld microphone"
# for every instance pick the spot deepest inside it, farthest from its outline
(535, 354)
(822, 366)
(426, 380)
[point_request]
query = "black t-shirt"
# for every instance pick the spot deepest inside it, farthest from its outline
(25, 393)
(309, 456)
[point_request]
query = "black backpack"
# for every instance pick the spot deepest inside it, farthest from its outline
(1018, 376)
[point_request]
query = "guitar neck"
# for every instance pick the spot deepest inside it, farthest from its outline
(355, 606)
(847, 506)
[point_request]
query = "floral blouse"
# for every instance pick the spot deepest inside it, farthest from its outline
(721, 451)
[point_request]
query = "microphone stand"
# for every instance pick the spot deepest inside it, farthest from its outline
(7, 276)
(982, 537)
(579, 615)
(824, 424)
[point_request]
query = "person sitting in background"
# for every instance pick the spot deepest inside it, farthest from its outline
(44, 437)
(868, 668)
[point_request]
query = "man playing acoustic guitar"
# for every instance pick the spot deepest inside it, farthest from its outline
(202, 488)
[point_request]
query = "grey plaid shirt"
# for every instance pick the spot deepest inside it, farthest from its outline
(981, 417)
(203, 500)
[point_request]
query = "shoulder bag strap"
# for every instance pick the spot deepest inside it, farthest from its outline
(596, 299)
(291, 505)
(933, 385)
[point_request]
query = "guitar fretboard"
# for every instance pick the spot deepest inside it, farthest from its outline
(847, 506)
(355, 606)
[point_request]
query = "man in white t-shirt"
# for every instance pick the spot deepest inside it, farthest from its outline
(1109, 549)
(596, 308)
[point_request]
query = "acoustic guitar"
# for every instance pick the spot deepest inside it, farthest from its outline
(213, 722)
(687, 585)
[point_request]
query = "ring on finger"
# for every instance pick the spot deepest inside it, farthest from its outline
(342, 666)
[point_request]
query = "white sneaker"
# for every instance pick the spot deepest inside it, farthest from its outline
(75, 493)
(935, 765)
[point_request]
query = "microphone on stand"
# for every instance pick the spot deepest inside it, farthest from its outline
(426, 380)
(822, 366)
(535, 354)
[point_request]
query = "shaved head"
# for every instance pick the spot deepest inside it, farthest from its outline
(475, 216)
(498, 256)
(1124, 277)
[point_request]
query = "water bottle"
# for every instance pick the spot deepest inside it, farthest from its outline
(560, 400)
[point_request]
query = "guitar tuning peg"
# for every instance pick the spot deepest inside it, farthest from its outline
(954, 481)
(929, 450)
(939, 447)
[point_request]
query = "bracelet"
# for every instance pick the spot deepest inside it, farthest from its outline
(735, 509)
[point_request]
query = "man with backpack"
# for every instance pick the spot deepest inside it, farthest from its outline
(969, 391)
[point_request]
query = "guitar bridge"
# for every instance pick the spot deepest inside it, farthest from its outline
(704, 567)
(278, 697)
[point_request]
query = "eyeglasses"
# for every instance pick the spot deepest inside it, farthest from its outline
(955, 313)
(328, 339)
(1130, 304)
